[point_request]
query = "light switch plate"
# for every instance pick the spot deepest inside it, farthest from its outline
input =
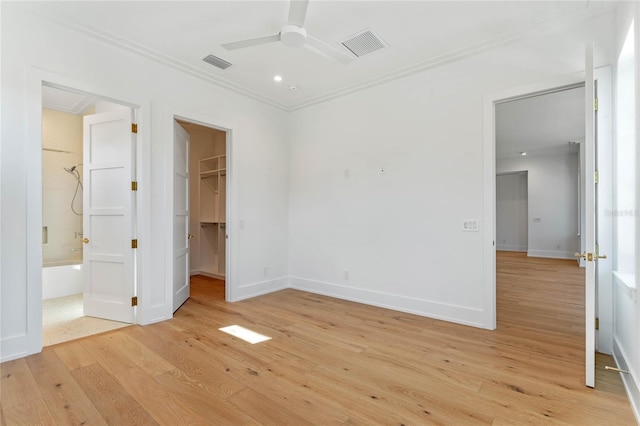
(470, 225)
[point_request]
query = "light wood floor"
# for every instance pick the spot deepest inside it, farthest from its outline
(329, 362)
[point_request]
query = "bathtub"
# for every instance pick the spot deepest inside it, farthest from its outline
(61, 280)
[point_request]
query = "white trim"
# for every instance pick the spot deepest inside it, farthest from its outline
(248, 291)
(520, 249)
(460, 54)
(552, 254)
(426, 308)
(626, 283)
(630, 380)
(168, 117)
(489, 181)
(31, 341)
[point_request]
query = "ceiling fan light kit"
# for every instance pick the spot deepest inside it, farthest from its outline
(293, 36)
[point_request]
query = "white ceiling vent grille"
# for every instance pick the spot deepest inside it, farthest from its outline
(363, 42)
(217, 62)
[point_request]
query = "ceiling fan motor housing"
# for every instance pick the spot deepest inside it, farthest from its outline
(293, 35)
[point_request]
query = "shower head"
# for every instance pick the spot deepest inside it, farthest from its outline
(71, 169)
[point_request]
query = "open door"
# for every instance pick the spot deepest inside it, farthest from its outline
(590, 255)
(181, 236)
(108, 256)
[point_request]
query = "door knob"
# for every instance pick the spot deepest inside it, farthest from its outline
(85, 240)
(189, 236)
(590, 256)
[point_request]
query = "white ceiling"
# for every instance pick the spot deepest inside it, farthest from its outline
(419, 34)
(541, 124)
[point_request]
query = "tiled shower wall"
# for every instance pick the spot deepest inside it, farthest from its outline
(62, 147)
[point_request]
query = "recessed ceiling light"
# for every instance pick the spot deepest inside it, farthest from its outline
(278, 78)
(293, 87)
(523, 153)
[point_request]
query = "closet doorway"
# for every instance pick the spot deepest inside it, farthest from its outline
(200, 207)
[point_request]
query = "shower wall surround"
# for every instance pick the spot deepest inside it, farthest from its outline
(62, 147)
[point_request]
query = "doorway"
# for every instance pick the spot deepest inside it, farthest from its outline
(73, 284)
(200, 208)
(537, 198)
(602, 106)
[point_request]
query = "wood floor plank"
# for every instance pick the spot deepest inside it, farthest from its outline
(140, 355)
(34, 412)
(116, 406)
(65, 399)
(73, 355)
(202, 400)
(332, 361)
(17, 384)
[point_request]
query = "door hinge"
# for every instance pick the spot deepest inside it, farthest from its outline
(134, 186)
(134, 301)
(595, 104)
(596, 177)
(134, 128)
(134, 243)
(597, 323)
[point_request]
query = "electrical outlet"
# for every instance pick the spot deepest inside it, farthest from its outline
(241, 224)
(345, 274)
(470, 225)
(347, 173)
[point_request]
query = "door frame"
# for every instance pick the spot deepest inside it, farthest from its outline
(31, 341)
(489, 178)
(603, 75)
(216, 124)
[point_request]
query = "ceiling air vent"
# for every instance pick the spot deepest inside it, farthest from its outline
(363, 42)
(217, 62)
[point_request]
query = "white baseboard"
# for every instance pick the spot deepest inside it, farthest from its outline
(501, 247)
(14, 348)
(206, 274)
(257, 289)
(551, 254)
(630, 380)
(422, 307)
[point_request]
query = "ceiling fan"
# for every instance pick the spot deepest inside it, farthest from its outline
(293, 34)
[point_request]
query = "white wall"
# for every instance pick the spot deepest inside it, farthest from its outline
(553, 202)
(31, 50)
(512, 224)
(626, 325)
(396, 239)
(392, 239)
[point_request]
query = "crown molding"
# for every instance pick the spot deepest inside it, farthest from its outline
(457, 55)
(156, 56)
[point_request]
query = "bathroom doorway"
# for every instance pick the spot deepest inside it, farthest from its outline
(63, 217)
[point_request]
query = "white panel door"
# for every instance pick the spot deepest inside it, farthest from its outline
(590, 220)
(181, 236)
(108, 259)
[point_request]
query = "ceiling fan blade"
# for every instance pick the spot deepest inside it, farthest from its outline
(326, 50)
(251, 42)
(297, 12)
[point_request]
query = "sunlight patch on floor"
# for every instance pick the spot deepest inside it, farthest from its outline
(244, 334)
